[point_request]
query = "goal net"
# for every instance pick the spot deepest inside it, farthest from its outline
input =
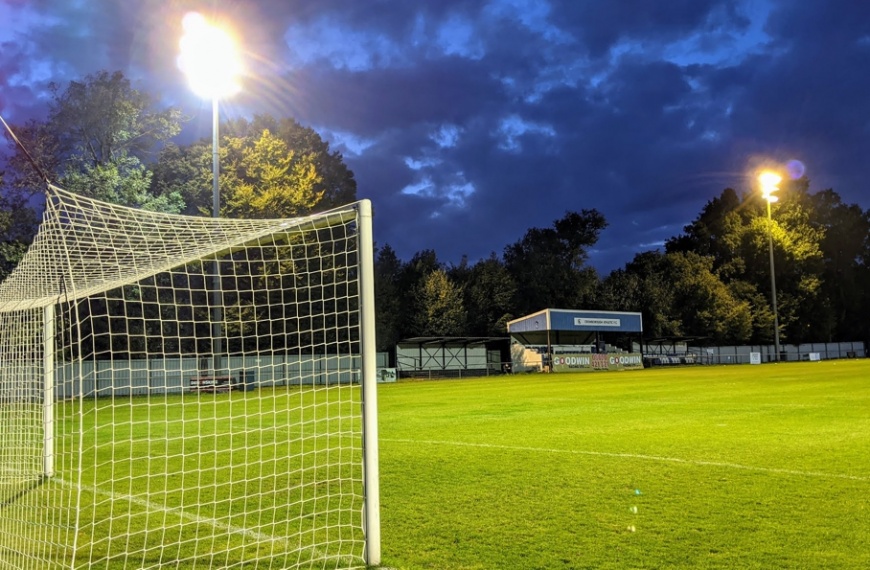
(186, 392)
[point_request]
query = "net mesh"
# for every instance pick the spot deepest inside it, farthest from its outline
(181, 392)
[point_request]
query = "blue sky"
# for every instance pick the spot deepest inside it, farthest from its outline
(467, 122)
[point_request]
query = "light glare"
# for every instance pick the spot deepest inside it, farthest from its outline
(769, 184)
(209, 58)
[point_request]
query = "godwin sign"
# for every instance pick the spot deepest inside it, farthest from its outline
(584, 362)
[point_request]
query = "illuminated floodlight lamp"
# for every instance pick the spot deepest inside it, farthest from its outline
(769, 184)
(209, 57)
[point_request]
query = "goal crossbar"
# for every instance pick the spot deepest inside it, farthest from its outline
(60, 263)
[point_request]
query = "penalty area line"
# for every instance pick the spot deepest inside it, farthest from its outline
(662, 459)
(207, 521)
(154, 507)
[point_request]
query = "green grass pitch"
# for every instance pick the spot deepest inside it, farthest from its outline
(703, 467)
(261, 479)
(699, 467)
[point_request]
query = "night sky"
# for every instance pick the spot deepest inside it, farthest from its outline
(468, 122)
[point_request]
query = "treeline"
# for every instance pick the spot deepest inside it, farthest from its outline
(711, 281)
(546, 268)
(103, 138)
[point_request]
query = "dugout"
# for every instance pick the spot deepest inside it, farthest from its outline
(561, 340)
(671, 350)
(451, 356)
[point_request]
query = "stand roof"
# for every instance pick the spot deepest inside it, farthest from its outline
(572, 326)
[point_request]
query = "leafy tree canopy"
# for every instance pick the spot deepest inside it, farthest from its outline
(103, 119)
(818, 246)
(549, 264)
(97, 135)
(268, 168)
(439, 307)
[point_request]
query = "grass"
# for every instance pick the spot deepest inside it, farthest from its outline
(744, 467)
(263, 479)
(704, 467)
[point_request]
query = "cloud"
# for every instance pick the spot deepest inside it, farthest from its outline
(469, 122)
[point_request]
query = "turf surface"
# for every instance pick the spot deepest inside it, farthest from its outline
(701, 467)
(698, 467)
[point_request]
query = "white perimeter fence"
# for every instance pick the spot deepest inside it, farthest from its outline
(175, 375)
(788, 352)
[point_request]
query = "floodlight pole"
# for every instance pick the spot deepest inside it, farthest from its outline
(773, 284)
(210, 60)
(216, 296)
(769, 181)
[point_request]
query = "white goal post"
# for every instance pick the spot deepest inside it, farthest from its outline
(131, 437)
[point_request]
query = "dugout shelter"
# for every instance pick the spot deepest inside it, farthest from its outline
(561, 340)
(451, 356)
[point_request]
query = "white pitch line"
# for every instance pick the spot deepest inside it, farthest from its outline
(154, 507)
(214, 523)
(639, 456)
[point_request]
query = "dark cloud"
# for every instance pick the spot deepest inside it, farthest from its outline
(604, 24)
(467, 122)
(448, 90)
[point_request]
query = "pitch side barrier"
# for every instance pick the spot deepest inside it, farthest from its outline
(177, 375)
(788, 352)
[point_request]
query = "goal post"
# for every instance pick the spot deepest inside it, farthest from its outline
(48, 391)
(124, 444)
(370, 392)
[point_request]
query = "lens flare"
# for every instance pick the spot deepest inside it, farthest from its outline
(795, 169)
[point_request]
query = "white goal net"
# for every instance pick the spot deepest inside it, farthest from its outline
(185, 392)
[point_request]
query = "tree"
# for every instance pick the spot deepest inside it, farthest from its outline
(409, 283)
(103, 119)
(18, 222)
(269, 168)
(123, 181)
(264, 178)
(104, 130)
(489, 294)
(712, 232)
(804, 314)
(187, 172)
(644, 286)
(734, 232)
(418, 268)
(388, 298)
(98, 134)
(705, 305)
(679, 294)
(548, 265)
(439, 307)
(845, 277)
(24, 178)
(336, 183)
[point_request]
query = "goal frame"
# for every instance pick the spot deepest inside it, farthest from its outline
(371, 525)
